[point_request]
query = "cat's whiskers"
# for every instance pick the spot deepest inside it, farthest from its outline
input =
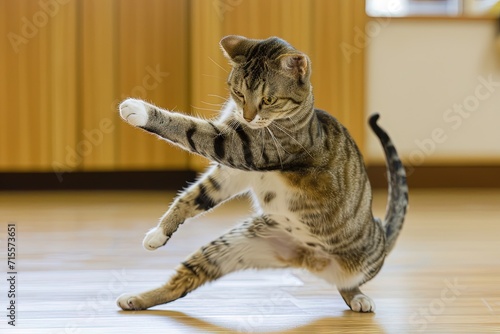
(222, 68)
(214, 104)
(278, 142)
(223, 130)
(288, 134)
(233, 123)
(212, 76)
(227, 127)
(207, 109)
(225, 98)
(262, 132)
(291, 120)
(276, 145)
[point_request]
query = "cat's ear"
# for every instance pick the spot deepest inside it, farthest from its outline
(294, 64)
(233, 47)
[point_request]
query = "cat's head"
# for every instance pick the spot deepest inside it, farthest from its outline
(269, 79)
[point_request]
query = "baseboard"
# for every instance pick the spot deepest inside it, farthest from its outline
(136, 180)
(418, 177)
(441, 176)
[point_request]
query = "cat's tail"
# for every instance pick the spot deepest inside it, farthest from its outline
(398, 189)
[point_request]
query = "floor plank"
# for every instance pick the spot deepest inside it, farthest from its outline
(78, 251)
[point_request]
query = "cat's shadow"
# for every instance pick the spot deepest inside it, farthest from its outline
(189, 324)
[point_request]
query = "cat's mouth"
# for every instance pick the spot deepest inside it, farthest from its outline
(256, 123)
(256, 126)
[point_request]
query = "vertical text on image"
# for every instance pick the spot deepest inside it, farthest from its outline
(11, 274)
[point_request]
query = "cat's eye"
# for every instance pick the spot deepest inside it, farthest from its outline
(268, 100)
(238, 93)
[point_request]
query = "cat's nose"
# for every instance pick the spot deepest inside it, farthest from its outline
(249, 113)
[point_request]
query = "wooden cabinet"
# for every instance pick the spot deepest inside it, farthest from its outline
(65, 65)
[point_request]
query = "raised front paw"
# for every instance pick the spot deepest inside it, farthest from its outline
(154, 239)
(134, 112)
(130, 302)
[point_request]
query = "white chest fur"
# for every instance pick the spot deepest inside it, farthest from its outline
(270, 194)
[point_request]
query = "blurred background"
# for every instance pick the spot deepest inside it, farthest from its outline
(430, 68)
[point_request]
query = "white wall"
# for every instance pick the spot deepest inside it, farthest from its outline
(417, 72)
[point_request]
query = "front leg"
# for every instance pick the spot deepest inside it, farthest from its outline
(217, 185)
(236, 147)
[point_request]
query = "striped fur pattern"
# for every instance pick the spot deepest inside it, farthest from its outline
(300, 166)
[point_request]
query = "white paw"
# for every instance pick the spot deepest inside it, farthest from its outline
(130, 302)
(362, 303)
(154, 239)
(134, 112)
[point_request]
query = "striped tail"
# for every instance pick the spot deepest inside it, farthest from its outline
(398, 189)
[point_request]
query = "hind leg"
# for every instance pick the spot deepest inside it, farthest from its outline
(247, 246)
(348, 286)
(357, 301)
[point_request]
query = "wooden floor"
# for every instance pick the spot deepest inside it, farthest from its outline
(78, 251)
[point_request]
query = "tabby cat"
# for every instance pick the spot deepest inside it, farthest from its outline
(304, 172)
